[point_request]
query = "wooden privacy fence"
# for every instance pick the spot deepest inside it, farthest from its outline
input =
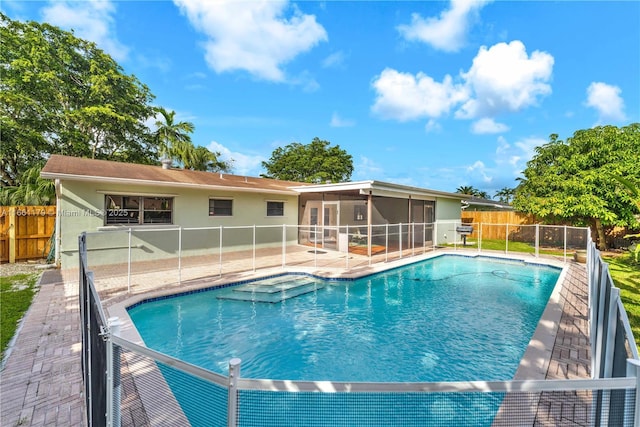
(497, 217)
(25, 232)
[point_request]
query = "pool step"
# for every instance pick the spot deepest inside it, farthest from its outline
(272, 290)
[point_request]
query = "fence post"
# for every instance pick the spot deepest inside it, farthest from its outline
(12, 235)
(180, 255)
(254, 248)
(565, 243)
(506, 239)
(400, 237)
(347, 262)
(538, 240)
(386, 242)
(413, 239)
(232, 405)
(114, 390)
(315, 245)
(480, 239)
(284, 244)
(631, 404)
(220, 254)
(129, 263)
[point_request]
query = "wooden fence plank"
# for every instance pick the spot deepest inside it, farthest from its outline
(25, 232)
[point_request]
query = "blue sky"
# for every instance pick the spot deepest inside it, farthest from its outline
(429, 94)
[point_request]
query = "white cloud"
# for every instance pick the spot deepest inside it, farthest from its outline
(365, 168)
(432, 126)
(90, 20)
(488, 125)
(339, 122)
(479, 169)
(334, 60)
(403, 96)
(256, 36)
(504, 78)
(515, 156)
(606, 100)
(243, 164)
(448, 31)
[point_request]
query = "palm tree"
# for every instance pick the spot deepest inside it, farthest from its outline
(505, 194)
(202, 159)
(173, 138)
(33, 190)
(467, 189)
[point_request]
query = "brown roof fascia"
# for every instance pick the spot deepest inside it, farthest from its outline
(82, 169)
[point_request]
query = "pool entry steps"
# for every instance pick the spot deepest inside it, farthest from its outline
(273, 290)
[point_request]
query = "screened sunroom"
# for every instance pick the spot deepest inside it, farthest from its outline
(370, 217)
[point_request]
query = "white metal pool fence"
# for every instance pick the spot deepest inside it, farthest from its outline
(214, 249)
(131, 385)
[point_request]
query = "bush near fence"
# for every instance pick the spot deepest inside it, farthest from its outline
(25, 232)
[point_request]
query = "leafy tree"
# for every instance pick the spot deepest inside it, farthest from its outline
(573, 181)
(316, 162)
(634, 192)
(61, 94)
(505, 194)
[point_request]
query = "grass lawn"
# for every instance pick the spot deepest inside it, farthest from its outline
(625, 272)
(16, 294)
(499, 245)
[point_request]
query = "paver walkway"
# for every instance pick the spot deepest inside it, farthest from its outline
(41, 383)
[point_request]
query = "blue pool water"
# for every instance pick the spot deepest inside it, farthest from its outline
(450, 318)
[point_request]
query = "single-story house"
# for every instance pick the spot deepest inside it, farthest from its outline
(99, 196)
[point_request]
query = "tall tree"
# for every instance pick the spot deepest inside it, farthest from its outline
(574, 182)
(174, 142)
(505, 194)
(61, 94)
(202, 159)
(467, 189)
(316, 162)
(173, 139)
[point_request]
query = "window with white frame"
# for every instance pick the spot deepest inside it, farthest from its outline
(275, 208)
(220, 207)
(132, 210)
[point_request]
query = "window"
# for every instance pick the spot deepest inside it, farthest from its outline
(275, 208)
(220, 207)
(136, 210)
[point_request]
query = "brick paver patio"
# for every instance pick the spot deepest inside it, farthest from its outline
(41, 383)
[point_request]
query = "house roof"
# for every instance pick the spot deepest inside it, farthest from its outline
(487, 203)
(81, 169)
(379, 188)
(91, 170)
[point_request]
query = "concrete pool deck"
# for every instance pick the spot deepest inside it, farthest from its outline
(41, 383)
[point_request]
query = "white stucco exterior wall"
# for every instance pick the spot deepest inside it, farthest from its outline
(81, 206)
(448, 213)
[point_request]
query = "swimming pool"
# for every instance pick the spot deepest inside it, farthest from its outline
(449, 318)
